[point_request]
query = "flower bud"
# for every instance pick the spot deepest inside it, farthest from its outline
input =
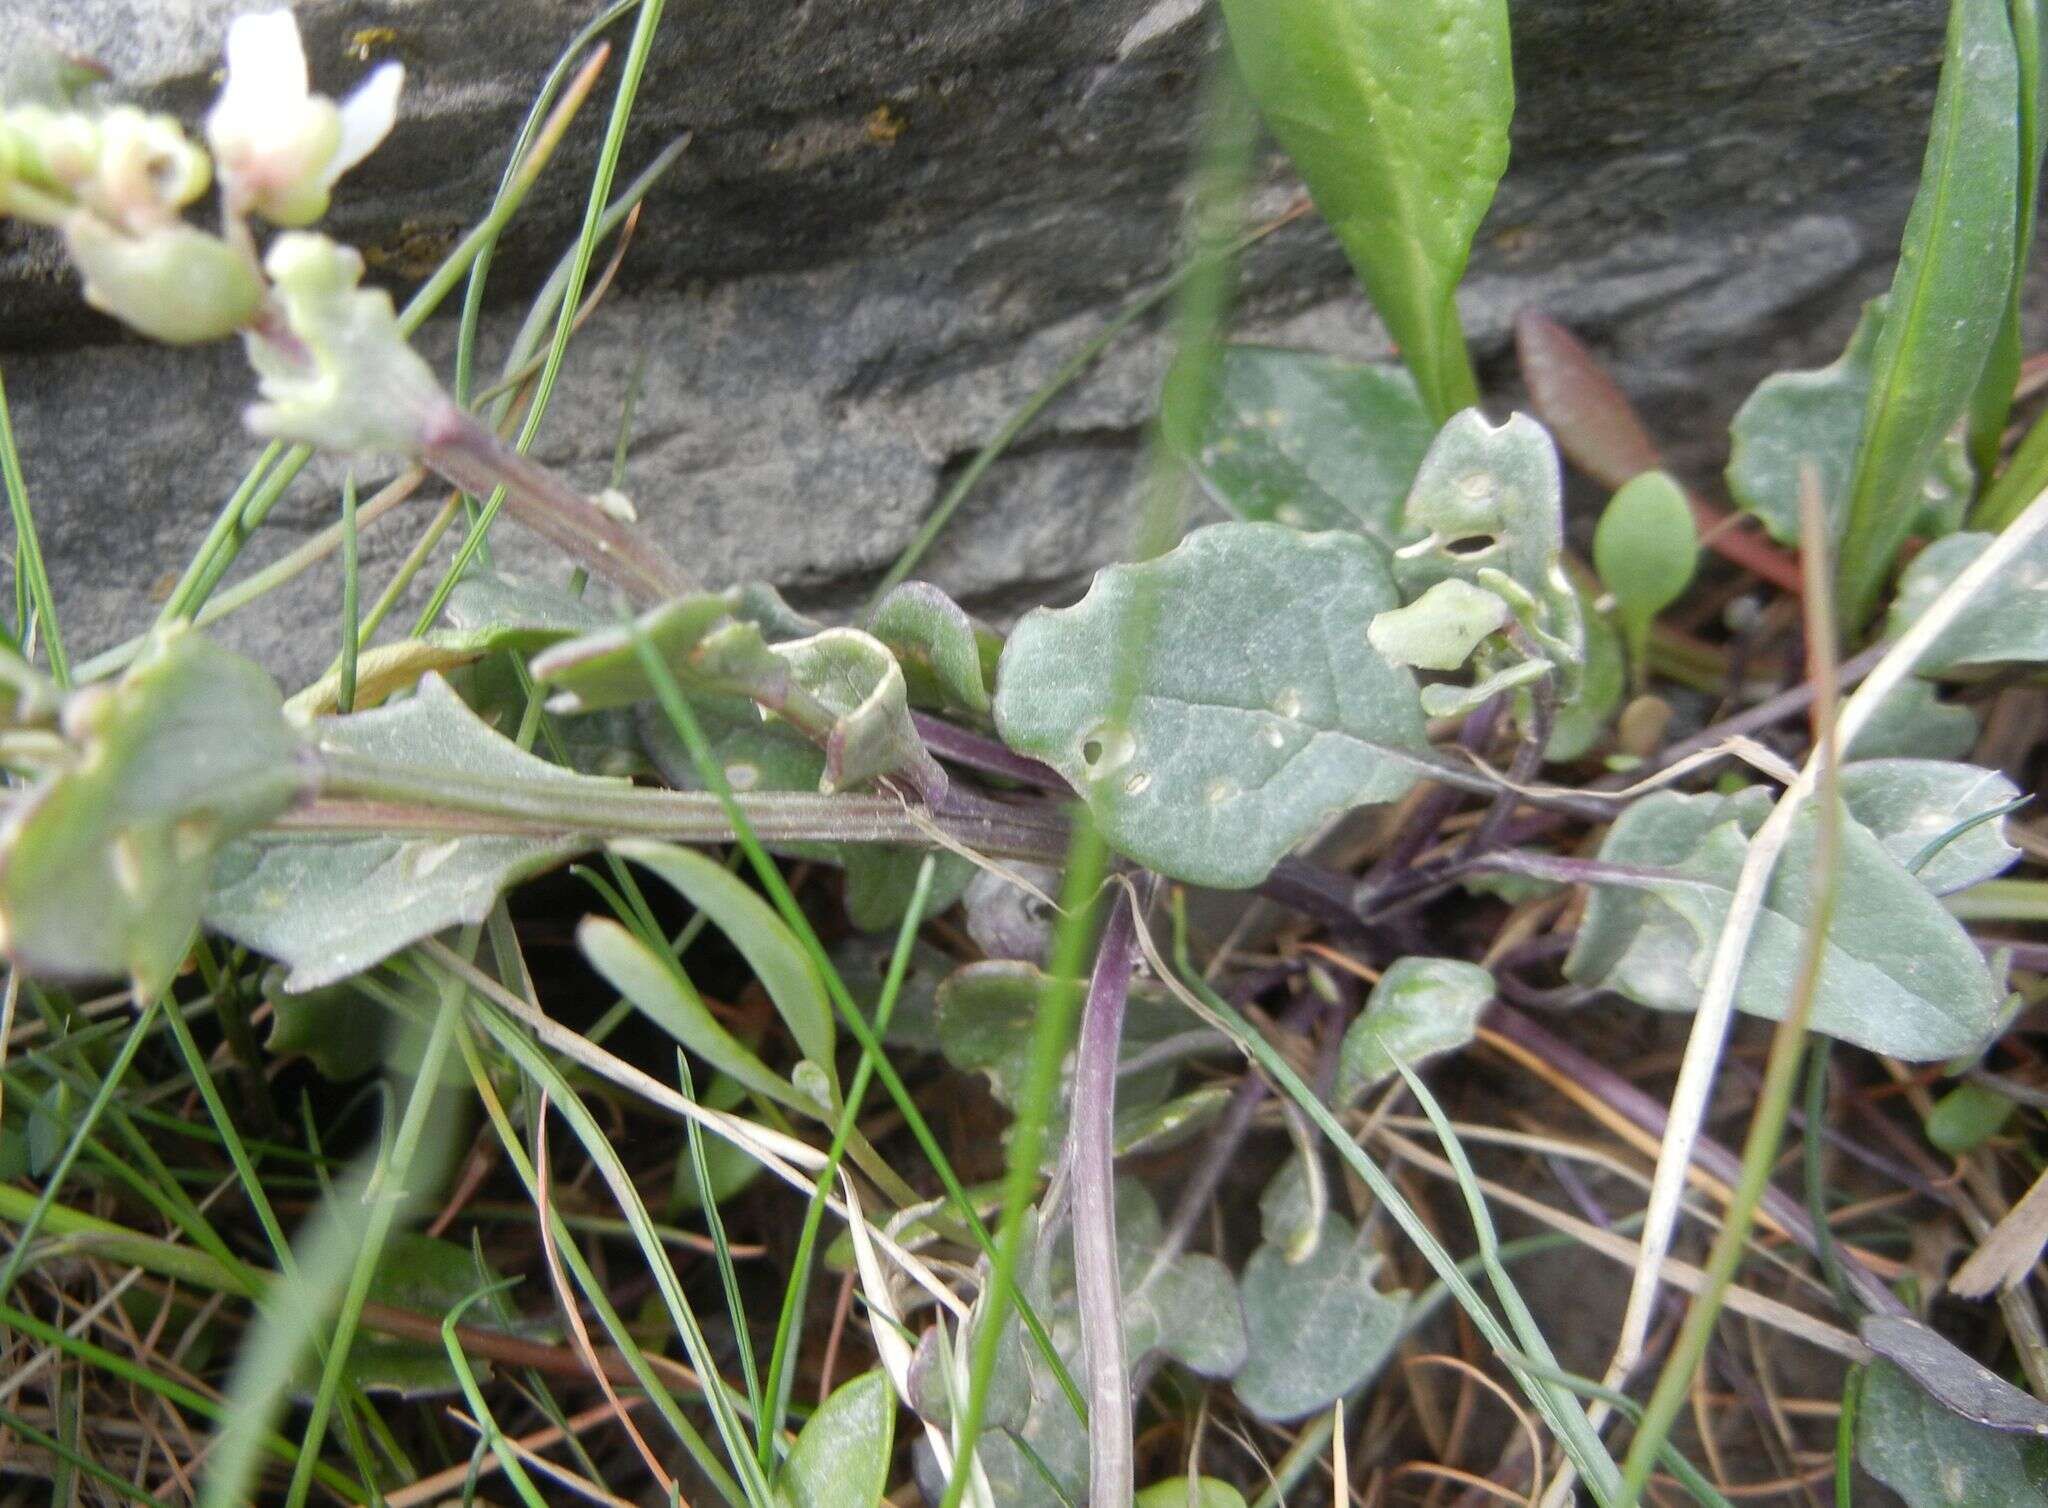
(147, 170)
(173, 283)
(339, 375)
(279, 146)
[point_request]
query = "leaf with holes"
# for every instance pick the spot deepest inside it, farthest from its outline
(1899, 975)
(1420, 1007)
(1258, 708)
(1795, 419)
(1318, 1327)
(1934, 817)
(2006, 623)
(1936, 1459)
(1302, 439)
(104, 863)
(1489, 505)
(1440, 629)
(948, 658)
(1396, 116)
(841, 1456)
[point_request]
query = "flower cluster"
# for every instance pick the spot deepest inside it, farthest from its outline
(115, 184)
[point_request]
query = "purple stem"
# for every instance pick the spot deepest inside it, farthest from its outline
(1650, 1116)
(1097, 1281)
(976, 751)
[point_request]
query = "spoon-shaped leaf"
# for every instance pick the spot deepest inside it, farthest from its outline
(1646, 550)
(841, 1457)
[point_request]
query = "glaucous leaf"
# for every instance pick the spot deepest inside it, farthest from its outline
(1899, 975)
(1257, 706)
(948, 658)
(870, 734)
(1583, 718)
(1795, 419)
(1440, 629)
(1912, 804)
(1306, 440)
(1646, 549)
(1318, 1328)
(1948, 298)
(1914, 723)
(1396, 116)
(1933, 1458)
(1419, 1008)
(1953, 1378)
(772, 952)
(602, 668)
(2006, 622)
(105, 863)
(488, 611)
(841, 1456)
(333, 906)
(1489, 505)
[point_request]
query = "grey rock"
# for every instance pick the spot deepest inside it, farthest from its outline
(896, 218)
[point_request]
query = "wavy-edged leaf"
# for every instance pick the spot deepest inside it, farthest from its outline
(1420, 1007)
(1396, 115)
(1948, 298)
(1911, 805)
(948, 658)
(1318, 1327)
(1899, 975)
(778, 960)
(1914, 723)
(1440, 629)
(1795, 419)
(1259, 708)
(1306, 440)
(841, 1456)
(860, 684)
(1936, 1459)
(487, 611)
(2006, 622)
(104, 864)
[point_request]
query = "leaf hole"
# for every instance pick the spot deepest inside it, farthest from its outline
(1469, 546)
(1106, 747)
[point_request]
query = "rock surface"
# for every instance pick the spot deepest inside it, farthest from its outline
(896, 218)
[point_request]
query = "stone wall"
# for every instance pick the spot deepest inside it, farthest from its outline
(895, 218)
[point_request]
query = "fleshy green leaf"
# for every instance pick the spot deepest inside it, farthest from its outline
(1910, 805)
(1948, 298)
(1305, 440)
(1318, 1327)
(841, 1458)
(330, 907)
(424, 1275)
(602, 669)
(1419, 1008)
(1899, 975)
(1966, 1117)
(772, 952)
(1397, 117)
(1440, 629)
(1259, 708)
(1794, 419)
(860, 684)
(1936, 1459)
(104, 865)
(2006, 622)
(1646, 550)
(948, 659)
(1179, 1492)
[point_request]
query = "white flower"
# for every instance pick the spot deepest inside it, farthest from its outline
(280, 147)
(339, 374)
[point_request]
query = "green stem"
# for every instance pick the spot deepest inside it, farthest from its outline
(2001, 901)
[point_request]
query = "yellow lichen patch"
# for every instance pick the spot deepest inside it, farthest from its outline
(884, 125)
(368, 40)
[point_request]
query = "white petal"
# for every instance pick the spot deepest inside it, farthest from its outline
(367, 117)
(266, 62)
